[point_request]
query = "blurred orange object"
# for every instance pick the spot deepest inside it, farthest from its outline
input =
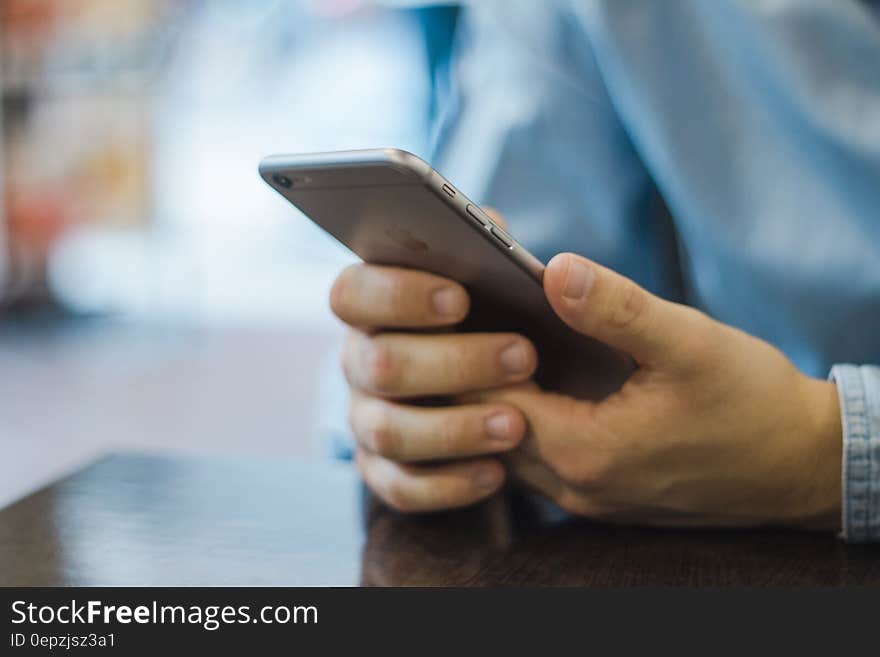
(36, 219)
(29, 18)
(75, 119)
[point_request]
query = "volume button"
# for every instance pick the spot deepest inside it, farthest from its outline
(477, 214)
(502, 237)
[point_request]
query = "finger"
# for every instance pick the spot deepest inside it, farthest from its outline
(376, 296)
(414, 488)
(496, 216)
(408, 365)
(553, 421)
(598, 302)
(413, 433)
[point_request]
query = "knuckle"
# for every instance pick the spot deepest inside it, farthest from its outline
(454, 361)
(397, 290)
(703, 340)
(592, 473)
(449, 437)
(598, 471)
(572, 471)
(381, 434)
(460, 365)
(380, 369)
(628, 307)
(400, 293)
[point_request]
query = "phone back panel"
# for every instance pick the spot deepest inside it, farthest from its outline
(391, 208)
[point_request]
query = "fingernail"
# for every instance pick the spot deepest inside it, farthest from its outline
(498, 426)
(578, 278)
(487, 478)
(448, 301)
(515, 358)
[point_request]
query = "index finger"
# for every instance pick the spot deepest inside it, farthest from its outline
(378, 296)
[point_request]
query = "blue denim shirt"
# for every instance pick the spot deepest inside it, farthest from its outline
(859, 389)
(723, 154)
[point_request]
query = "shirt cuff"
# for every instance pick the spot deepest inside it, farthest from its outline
(859, 391)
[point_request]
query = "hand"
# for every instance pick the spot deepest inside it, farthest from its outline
(418, 457)
(716, 427)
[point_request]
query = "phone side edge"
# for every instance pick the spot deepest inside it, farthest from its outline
(518, 253)
(399, 159)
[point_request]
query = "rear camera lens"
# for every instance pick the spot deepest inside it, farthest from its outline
(282, 181)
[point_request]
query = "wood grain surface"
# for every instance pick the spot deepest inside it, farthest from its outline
(149, 520)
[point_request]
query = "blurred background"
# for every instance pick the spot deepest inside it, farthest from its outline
(151, 285)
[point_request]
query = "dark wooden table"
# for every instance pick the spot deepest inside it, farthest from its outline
(142, 520)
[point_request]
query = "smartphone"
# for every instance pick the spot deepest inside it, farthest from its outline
(390, 207)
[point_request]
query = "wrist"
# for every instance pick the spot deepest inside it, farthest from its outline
(823, 442)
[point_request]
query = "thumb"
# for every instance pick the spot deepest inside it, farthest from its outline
(598, 302)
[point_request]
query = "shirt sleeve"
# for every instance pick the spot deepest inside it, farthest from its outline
(859, 390)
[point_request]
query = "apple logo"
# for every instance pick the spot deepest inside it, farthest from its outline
(402, 237)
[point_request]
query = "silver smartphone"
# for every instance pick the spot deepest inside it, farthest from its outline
(392, 208)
